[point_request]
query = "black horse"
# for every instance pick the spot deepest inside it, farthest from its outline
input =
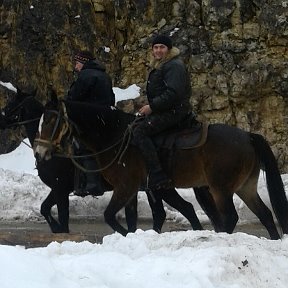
(58, 174)
(229, 162)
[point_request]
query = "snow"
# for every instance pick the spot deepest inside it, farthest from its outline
(144, 259)
(8, 86)
(198, 259)
(131, 92)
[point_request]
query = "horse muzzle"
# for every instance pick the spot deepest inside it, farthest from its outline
(42, 153)
(42, 149)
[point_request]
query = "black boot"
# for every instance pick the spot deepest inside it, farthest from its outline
(157, 180)
(93, 183)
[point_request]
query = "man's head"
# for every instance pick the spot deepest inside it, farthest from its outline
(81, 58)
(160, 46)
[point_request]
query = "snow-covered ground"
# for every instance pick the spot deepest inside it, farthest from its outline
(144, 259)
(198, 259)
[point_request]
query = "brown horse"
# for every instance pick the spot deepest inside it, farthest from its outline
(58, 173)
(229, 162)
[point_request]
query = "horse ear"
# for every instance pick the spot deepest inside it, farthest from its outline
(21, 95)
(19, 91)
(33, 93)
(53, 96)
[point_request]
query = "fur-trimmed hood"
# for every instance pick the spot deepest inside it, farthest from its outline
(172, 53)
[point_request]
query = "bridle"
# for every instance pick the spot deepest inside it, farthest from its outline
(16, 112)
(66, 127)
(66, 130)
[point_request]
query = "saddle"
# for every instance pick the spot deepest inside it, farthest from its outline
(182, 138)
(191, 136)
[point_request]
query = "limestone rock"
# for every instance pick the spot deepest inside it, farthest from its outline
(235, 50)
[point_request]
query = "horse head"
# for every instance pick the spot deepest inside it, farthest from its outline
(13, 113)
(54, 128)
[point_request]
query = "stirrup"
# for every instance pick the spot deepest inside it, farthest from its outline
(165, 184)
(81, 193)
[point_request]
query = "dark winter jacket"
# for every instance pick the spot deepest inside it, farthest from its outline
(92, 85)
(168, 86)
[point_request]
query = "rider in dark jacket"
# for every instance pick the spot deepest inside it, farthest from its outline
(94, 86)
(168, 93)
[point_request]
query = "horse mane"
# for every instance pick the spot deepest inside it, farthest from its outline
(102, 123)
(36, 106)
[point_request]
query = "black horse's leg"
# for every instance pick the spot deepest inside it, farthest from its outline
(131, 214)
(158, 212)
(119, 199)
(172, 198)
(208, 205)
(45, 210)
(62, 198)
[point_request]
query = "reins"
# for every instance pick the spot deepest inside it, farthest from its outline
(23, 122)
(122, 150)
(124, 142)
(19, 106)
(123, 147)
(66, 127)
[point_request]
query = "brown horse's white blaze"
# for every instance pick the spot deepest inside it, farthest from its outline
(40, 152)
(42, 148)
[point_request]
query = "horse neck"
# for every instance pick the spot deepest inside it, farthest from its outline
(32, 111)
(101, 125)
(31, 130)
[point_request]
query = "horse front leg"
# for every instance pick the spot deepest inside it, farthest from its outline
(207, 203)
(157, 208)
(131, 214)
(62, 199)
(227, 211)
(119, 199)
(45, 211)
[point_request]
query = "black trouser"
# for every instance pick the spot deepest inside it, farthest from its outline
(90, 164)
(149, 126)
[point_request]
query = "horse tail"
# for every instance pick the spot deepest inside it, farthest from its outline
(274, 182)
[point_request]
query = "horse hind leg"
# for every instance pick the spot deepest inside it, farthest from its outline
(208, 205)
(227, 211)
(251, 198)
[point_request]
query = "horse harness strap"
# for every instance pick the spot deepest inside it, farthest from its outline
(23, 122)
(123, 141)
(63, 131)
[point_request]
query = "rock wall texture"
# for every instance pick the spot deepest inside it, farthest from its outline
(236, 52)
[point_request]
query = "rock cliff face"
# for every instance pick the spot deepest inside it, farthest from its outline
(235, 50)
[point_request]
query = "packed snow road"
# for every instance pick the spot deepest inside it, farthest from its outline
(37, 234)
